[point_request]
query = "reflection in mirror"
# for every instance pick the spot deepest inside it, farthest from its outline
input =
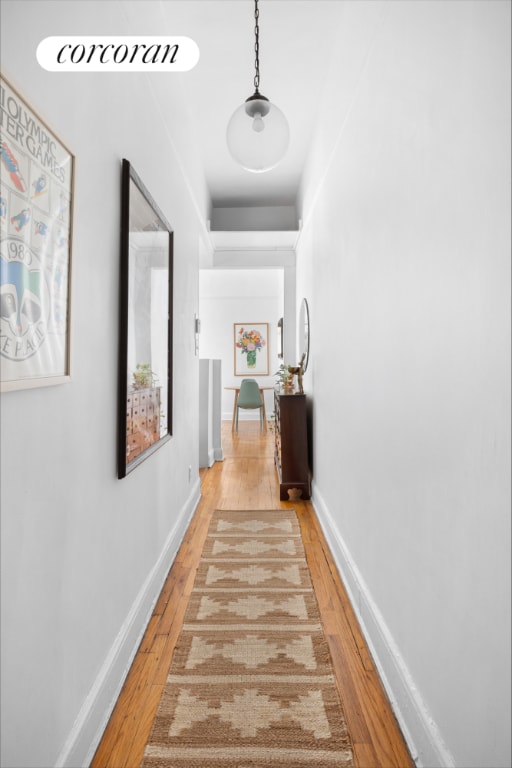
(145, 396)
(304, 332)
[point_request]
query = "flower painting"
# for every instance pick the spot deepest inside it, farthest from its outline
(251, 350)
(250, 343)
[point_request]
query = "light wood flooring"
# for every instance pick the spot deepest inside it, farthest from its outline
(247, 479)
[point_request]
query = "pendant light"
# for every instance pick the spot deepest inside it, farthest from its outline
(257, 133)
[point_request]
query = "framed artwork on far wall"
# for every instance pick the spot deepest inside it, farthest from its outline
(251, 349)
(36, 205)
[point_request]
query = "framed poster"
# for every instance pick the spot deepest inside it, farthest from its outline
(145, 348)
(36, 199)
(251, 349)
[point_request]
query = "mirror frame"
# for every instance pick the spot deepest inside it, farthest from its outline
(304, 332)
(280, 325)
(140, 435)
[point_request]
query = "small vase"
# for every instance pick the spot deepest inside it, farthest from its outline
(251, 358)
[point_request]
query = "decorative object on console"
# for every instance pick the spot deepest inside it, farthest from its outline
(36, 203)
(299, 372)
(284, 377)
(144, 409)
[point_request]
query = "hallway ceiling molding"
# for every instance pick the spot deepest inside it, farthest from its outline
(254, 258)
(228, 241)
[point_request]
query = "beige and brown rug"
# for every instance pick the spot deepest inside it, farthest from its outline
(251, 681)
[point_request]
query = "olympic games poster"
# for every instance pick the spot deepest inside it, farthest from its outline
(36, 187)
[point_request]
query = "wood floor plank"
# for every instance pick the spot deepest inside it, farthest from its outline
(119, 734)
(143, 728)
(246, 479)
(365, 755)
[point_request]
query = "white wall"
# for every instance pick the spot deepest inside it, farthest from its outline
(405, 260)
(84, 554)
(239, 296)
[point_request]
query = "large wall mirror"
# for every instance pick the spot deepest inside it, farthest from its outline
(145, 350)
(304, 332)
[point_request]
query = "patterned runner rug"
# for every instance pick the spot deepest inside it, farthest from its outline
(251, 681)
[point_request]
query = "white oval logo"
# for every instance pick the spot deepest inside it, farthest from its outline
(117, 54)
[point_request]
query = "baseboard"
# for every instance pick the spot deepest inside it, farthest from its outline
(246, 415)
(93, 717)
(418, 727)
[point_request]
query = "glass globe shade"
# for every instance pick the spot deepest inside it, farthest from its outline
(258, 135)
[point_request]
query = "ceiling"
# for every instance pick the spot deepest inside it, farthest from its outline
(297, 39)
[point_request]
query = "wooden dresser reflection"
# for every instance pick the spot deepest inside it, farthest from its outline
(142, 420)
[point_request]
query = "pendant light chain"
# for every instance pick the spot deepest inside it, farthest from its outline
(257, 46)
(257, 134)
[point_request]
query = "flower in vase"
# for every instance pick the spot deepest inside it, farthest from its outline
(250, 342)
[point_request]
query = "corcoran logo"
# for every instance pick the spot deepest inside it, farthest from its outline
(117, 54)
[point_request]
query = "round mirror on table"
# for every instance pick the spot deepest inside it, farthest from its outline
(304, 332)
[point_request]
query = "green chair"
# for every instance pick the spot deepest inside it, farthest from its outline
(249, 397)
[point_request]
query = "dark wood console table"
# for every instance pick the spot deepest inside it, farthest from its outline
(291, 450)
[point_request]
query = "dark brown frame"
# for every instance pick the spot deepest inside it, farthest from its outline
(304, 332)
(280, 325)
(130, 184)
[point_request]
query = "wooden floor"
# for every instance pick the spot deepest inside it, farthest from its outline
(247, 479)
